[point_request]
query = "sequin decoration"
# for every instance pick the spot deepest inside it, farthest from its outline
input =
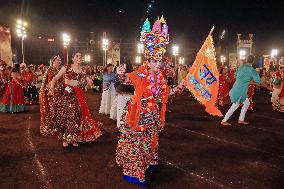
(75, 123)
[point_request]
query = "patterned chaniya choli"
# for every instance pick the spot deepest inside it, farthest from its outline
(13, 99)
(277, 98)
(30, 92)
(49, 103)
(4, 80)
(224, 89)
(251, 95)
(74, 120)
(141, 123)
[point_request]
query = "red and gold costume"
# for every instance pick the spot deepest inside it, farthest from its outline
(13, 99)
(4, 80)
(231, 75)
(250, 95)
(49, 103)
(224, 89)
(142, 122)
(144, 116)
(278, 92)
(74, 120)
(29, 77)
(31, 92)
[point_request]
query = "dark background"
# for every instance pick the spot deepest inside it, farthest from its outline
(189, 21)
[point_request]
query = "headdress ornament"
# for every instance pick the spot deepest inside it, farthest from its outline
(155, 41)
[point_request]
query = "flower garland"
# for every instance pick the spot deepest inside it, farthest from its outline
(156, 90)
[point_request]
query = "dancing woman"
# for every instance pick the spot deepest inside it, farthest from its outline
(251, 95)
(277, 98)
(75, 123)
(48, 103)
(13, 100)
(4, 78)
(224, 88)
(31, 92)
(109, 92)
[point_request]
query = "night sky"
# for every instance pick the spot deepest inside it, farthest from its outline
(189, 21)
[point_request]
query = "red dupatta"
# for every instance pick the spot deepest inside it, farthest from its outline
(86, 117)
(140, 81)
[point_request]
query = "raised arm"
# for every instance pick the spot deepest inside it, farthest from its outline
(57, 77)
(178, 89)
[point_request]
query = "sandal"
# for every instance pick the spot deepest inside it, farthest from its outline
(65, 144)
(75, 144)
(225, 123)
(243, 122)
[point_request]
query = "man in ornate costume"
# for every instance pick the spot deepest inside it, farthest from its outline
(144, 117)
(47, 102)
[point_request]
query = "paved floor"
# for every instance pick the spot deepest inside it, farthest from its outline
(195, 151)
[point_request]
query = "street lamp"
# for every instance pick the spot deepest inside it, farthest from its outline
(175, 52)
(105, 44)
(274, 53)
(242, 54)
(21, 32)
(181, 60)
(223, 59)
(87, 58)
(222, 34)
(138, 59)
(66, 41)
(140, 48)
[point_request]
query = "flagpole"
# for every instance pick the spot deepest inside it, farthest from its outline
(211, 31)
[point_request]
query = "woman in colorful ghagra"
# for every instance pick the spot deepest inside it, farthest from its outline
(144, 116)
(48, 103)
(13, 99)
(31, 92)
(277, 98)
(75, 123)
(4, 77)
(224, 88)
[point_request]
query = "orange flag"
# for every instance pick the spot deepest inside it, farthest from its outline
(203, 77)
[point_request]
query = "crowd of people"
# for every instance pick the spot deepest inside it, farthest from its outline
(59, 89)
(271, 79)
(135, 96)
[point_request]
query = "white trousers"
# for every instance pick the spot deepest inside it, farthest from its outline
(275, 94)
(234, 107)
